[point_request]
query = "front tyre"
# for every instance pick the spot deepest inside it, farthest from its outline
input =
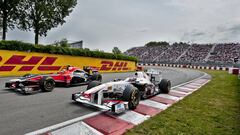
(132, 95)
(164, 86)
(47, 84)
(93, 84)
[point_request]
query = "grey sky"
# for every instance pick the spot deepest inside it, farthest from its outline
(103, 24)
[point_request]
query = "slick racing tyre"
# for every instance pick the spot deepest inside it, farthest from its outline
(164, 86)
(93, 84)
(97, 77)
(47, 84)
(100, 78)
(132, 95)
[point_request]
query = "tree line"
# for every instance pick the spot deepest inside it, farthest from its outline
(37, 15)
(61, 50)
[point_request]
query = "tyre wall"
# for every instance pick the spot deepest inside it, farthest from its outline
(15, 63)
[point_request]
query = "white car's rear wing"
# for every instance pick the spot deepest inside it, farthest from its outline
(153, 71)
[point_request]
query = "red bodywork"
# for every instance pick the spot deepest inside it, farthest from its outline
(64, 76)
(71, 76)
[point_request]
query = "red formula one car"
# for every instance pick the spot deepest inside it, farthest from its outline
(71, 76)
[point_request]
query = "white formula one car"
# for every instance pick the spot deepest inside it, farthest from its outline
(120, 95)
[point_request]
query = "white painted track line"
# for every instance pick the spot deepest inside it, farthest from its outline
(196, 84)
(180, 92)
(154, 104)
(186, 88)
(79, 128)
(169, 97)
(133, 117)
(205, 74)
(63, 124)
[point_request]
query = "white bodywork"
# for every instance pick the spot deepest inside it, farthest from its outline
(116, 87)
(15, 80)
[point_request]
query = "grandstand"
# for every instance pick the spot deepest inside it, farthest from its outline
(183, 53)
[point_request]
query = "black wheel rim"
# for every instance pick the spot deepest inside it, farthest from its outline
(135, 98)
(49, 85)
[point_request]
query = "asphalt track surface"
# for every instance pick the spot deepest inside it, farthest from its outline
(20, 114)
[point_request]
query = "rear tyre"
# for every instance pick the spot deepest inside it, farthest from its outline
(93, 84)
(132, 95)
(97, 77)
(164, 86)
(100, 78)
(47, 84)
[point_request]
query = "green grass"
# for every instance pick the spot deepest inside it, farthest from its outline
(214, 109)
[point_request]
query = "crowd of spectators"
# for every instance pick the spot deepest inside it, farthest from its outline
(196, 53)
(186, 53)
(172, 53)
(225, 53)
(146, 54)
(137, 52)
(153, 52)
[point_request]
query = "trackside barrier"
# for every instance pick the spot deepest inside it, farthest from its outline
(231, 70)
(239, 75)
(234, 71)
(15, 63)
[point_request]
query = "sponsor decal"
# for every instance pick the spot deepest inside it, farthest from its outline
(114, 66)
(41, 63)
(18, 60)
(7, 68)
(46, 65)
(106, 65)
(26, 68)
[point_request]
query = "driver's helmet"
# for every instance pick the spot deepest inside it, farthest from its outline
(68, 67)
(87, 69)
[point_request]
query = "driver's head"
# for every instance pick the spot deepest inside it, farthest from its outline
(68, 66)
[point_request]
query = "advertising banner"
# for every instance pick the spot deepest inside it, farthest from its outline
(15, 63)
